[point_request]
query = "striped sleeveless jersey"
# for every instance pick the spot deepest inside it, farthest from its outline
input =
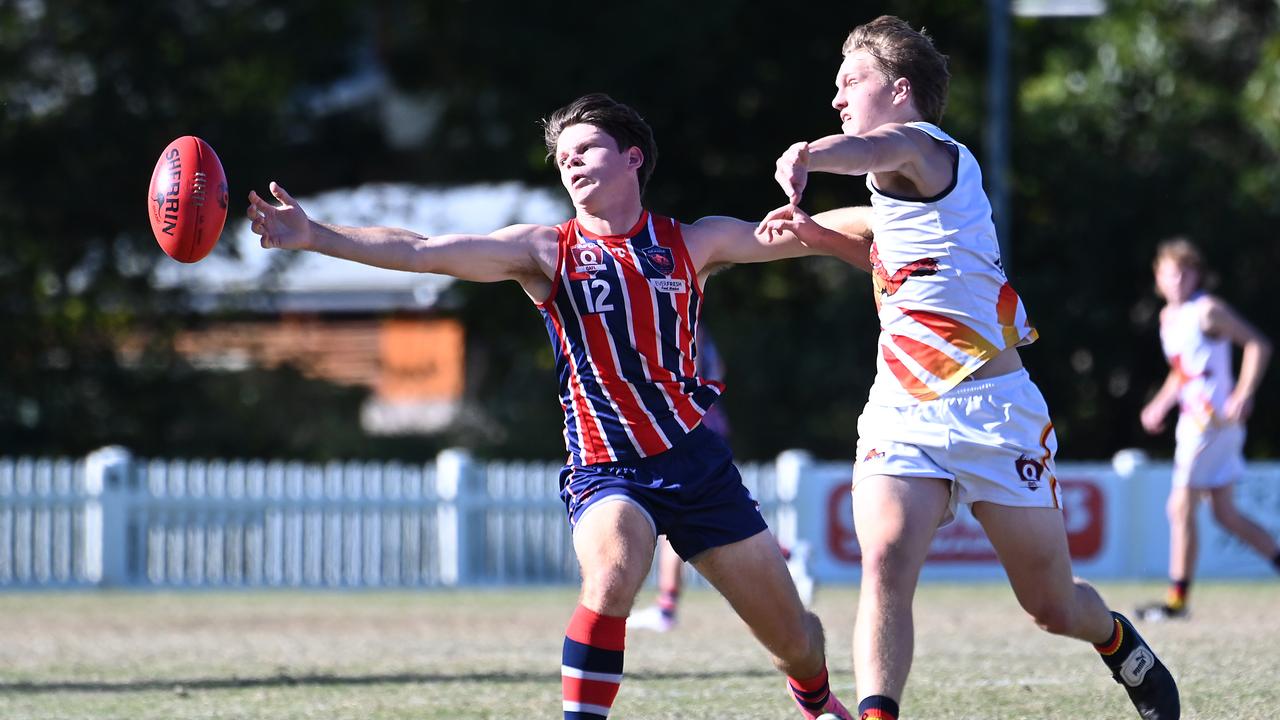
(622, 317)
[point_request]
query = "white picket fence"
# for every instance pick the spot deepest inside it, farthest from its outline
(111, 520)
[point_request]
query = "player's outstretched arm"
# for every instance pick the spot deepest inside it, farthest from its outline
(889, 148)
(718, 241)
(844, 233)
(517, 252)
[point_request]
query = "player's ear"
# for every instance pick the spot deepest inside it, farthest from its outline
(635, 158)
(901, 90)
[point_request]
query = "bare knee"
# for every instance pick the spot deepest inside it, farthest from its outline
(610, 592)
(1180, 506)
(1053, 616)
(882, 569)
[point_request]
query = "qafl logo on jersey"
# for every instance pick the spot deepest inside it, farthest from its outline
(587, 260)
(659, 258)
(1030, 471)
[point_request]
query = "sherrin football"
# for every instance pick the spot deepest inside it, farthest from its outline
(187, 199)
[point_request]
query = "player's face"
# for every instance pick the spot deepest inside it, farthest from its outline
(1175, 281)
(864, 98)
(590, 163)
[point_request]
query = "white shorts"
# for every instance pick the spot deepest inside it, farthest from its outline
(1207, 458)
(991, 438)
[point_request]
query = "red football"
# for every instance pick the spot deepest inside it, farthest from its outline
(187, 199)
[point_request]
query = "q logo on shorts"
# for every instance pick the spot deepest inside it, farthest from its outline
(1029, 471)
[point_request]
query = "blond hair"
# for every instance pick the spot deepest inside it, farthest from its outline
(1182, 252)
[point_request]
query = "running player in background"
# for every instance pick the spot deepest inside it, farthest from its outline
(952, 415)
(1197, 331)
(620, 291)
(662, 615)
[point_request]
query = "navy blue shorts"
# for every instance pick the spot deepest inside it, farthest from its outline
(692, 493)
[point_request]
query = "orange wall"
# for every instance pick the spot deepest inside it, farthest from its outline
(400, 358)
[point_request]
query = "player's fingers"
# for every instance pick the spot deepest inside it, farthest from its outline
(777, 227)
(773, 215)
(281, 194)
(259, 205)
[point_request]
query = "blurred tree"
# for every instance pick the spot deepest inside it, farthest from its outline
(92, 92)
(1158, 117)
(1155, 119)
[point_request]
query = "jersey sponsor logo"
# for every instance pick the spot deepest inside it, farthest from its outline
(587, 259)
(661, 259)
(1030, 471)
(873, 454)
(669, 286)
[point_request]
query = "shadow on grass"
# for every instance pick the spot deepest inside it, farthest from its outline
(286, 680)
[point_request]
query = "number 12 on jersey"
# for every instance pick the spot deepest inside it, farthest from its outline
(596, 291)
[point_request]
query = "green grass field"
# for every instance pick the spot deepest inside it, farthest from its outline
(496, 654)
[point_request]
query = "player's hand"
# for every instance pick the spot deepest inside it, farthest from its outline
(793, 171)
(790, 219)
(1237, 409)
(283, 226)
(1153, 419)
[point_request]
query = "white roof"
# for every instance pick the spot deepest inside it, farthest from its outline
(280, 280)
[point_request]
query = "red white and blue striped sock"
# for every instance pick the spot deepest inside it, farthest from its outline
(811, 694)
(591, 664)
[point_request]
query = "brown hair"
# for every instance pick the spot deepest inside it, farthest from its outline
(619, 121)
(900, 52)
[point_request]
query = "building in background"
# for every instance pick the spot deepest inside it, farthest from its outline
(348, 323)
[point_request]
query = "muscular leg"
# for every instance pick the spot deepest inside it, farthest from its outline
(895, 520)
(614, 543)
(1032, 545)
(1222, 500)
(753, 577)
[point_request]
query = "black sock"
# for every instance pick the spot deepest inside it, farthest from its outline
(878, 707)
(1275, 561)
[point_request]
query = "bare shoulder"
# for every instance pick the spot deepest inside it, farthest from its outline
(528, 233)
(711, 225)
(541, 242)
(716, 239)
(714, 230)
